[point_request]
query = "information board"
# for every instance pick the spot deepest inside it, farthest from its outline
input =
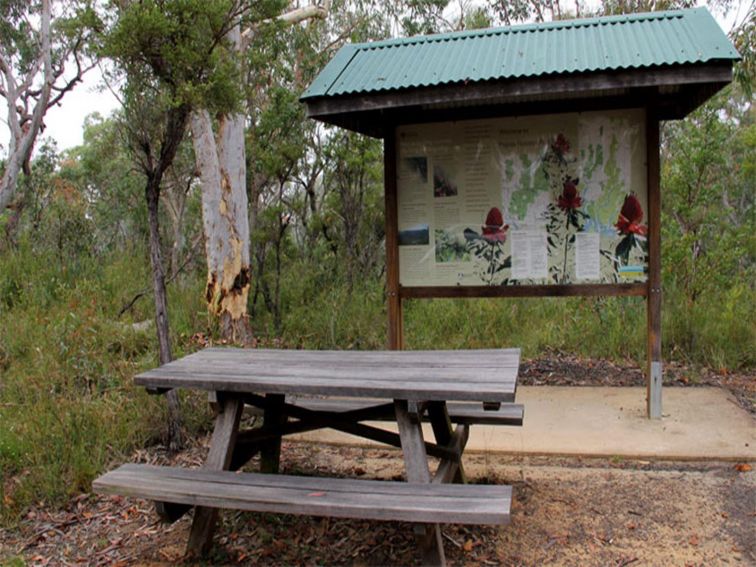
(531, 200)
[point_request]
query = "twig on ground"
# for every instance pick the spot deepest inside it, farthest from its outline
(451, 539)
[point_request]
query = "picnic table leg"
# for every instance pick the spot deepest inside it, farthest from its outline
(416, 465)
(273, 418)
(442, 431)
(218, 458)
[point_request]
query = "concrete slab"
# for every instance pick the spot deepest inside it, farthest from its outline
(697, 424)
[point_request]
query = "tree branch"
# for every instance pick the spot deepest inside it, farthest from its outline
(295, 16)
(192, 253)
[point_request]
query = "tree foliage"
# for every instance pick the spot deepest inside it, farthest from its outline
(708, 188)
(182, 43)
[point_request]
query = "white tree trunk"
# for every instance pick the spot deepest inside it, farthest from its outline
(23, 136)
(223, 174)
(221, 160)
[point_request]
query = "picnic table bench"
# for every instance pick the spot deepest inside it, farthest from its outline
(296, 391)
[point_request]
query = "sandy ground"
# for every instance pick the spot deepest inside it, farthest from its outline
(566, 512)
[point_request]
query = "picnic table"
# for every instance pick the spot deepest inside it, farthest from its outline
(299, 390)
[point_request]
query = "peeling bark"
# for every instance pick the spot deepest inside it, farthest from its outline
(221, 161)
(225, 222)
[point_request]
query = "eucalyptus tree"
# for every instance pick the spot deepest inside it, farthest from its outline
(174, 58)
(44, 52)
(220, 150)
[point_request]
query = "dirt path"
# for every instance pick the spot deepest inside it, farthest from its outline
(566, 512)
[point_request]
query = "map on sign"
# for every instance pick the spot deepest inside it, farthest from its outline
(552, 199)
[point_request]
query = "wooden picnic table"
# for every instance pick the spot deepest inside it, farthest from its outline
(300, 390)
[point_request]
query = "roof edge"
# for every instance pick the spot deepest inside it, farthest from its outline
(534, 27)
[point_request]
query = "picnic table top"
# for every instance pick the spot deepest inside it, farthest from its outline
(488, 375)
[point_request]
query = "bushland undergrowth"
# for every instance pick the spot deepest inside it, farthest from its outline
(68, 407)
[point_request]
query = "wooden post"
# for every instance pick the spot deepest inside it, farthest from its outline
(416, 466)
(273, 420)
(218, 459)
(395, 324)
(653, 292)
(443, 432)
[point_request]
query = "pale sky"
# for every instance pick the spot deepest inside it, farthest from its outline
(65, 123)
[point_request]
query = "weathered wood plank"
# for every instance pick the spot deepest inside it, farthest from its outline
(572, 290)
(478, 510)
(654, 282)
(416, 468)
(343, 422)
(355, 352)
(218, 458)
(345, 498)
(273, 419)
(449, 471)
(413, 445)
(329, 484)
(458, 389)
(393, 299)
(444, 434)
(364, 357)
(349, 375)
(459, 412)
(352, 409)
(377, 366)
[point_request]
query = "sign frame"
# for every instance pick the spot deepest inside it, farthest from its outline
(650, 289)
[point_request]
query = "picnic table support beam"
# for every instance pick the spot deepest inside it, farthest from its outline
(340, 421)
(654, 292)
(371, 412)
(244, 451)
(416, 465)
(218, 458)
(443, 432)
(170, 512)
(447, 471)
(273, 420)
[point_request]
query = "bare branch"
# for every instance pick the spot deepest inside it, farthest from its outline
(293, 17)
(70, 84)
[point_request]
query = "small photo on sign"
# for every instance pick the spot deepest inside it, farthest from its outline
(418, 235)
(443, 184)
(417, 167)
(632, 272)
(450, 247)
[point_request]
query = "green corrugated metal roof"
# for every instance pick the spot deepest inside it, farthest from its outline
(634, 41)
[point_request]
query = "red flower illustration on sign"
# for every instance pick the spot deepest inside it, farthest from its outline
(495, 230)
(570, 199)
(561, 145)
(630, 217)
